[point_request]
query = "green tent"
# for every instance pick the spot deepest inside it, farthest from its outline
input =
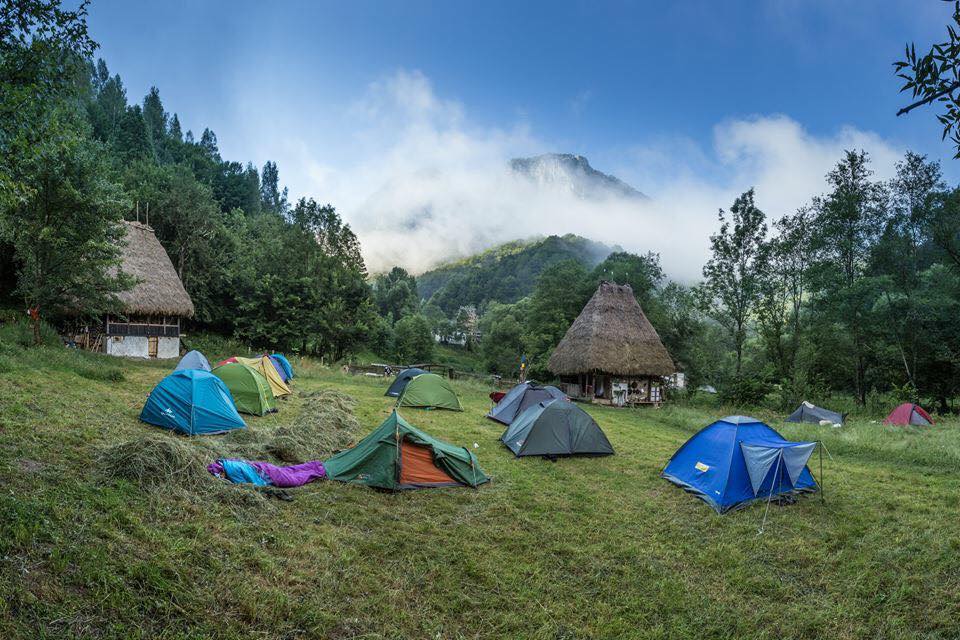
(397, 455)
(430, 391)
(250, 390)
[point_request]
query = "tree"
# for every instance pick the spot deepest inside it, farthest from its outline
(503, 344)
(847, 224)
(732, 275)
(562, 291)
(413, 340)
(932, 77)
(272, 198)
(65, 234)
(42, 49)
(395, 294)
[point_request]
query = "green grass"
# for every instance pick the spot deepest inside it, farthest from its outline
(581, 548)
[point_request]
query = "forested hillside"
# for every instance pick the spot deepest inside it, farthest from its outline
(505, 273)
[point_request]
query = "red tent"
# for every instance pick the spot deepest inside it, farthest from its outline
(909, 413)
(227, 361)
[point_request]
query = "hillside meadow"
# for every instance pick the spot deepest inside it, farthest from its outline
(580, 548)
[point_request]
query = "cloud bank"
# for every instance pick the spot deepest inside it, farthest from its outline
(426, 184)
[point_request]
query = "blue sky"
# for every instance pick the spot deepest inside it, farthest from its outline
(704, 98)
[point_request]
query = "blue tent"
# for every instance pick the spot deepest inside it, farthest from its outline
(192, 402)
(282, 359)
(403, 379)
(518, 399)
(737, 460)
(193, 360)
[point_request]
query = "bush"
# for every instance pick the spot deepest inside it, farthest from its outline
(743, 390)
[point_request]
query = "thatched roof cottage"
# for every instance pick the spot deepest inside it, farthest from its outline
(149, 326)
(611, 353)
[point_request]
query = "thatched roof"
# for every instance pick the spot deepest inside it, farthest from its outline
(612, 335)
(158, 290)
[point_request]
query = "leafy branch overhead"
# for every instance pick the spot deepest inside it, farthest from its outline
(935, 77)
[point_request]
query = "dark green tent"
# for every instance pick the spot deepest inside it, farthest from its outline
(430, 391)
(397, 455)
(250, 390)
(555, 428)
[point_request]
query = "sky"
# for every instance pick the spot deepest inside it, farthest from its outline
(404, 115)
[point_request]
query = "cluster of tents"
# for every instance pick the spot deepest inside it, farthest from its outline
(728, 464)
(198, 399)
(904, 415)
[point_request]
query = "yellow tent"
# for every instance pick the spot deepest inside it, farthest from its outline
(265, 366)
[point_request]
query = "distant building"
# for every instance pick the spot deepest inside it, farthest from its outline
(611, 354)
(149, 323)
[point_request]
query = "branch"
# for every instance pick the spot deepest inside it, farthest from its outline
(929, 99)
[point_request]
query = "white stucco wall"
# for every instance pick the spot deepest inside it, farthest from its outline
(138, 347)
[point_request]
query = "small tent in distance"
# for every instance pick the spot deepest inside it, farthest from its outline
(250, 390)
(397, 456)
(193, 360)
(402, 380)
(909, 414)
(808, 412)
(192, 402)
(556, 428)
(738, 460)
(520, 398)
(430, 391)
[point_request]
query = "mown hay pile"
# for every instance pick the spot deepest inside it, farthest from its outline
(326, 424)
(155, 461)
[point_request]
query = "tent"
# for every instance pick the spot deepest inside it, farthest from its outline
(265, 366)
(193, 360)
(397, 455)
(250, 390)
(909, 413)
(227, 361)
(282, 359)
(738, 460)
(808, 412)
(555, 427)
(518, 399)
(400, 382)
(430, 391)
(279, 367)
(192, 402)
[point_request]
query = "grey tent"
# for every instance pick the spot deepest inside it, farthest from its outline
(555, 428)
(521, 397)
(403, 378)
(807, 412)
(193, 360)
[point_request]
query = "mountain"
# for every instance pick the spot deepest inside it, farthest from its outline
(504, 273)
(573, 173)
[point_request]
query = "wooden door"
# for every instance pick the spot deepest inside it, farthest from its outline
(153, 342)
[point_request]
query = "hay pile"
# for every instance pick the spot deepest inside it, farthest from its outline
(156, 461)
(325, 424)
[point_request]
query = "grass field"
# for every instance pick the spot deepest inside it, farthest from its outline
(581, 548)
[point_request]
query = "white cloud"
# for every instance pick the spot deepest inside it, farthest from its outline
(425, 184)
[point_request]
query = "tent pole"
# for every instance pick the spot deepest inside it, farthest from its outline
(776, 473)
(820, 443)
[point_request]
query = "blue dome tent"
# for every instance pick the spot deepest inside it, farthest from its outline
(193, 360)
(192, 402)
(282, 359)
(738, 460)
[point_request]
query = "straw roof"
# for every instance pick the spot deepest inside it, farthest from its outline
(612, 335)
(158, 290)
